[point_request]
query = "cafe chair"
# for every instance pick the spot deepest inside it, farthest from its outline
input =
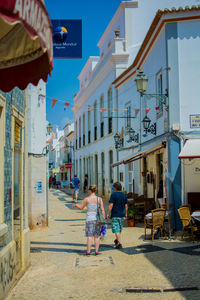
(155, 223)
(187, 221)
(187, 205)
(164, 206)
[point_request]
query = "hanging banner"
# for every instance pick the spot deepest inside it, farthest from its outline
(67, 38)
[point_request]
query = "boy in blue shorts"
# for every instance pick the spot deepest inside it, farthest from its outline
(118, 206)
(76, 182)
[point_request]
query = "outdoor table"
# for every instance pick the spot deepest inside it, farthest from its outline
(196, 215)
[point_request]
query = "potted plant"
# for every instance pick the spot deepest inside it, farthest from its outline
(131, 215)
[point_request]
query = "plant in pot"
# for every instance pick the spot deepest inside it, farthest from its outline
(131, 215)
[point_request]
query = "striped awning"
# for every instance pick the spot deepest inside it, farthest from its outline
(26, 48)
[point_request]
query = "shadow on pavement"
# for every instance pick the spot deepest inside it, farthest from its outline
(68, 220)
(103, 247)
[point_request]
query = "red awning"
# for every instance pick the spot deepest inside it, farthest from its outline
(26, 50)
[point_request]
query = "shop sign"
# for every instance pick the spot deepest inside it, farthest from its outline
(67, 166)
(35, 17)
(39, 187)
(67, 38)
(195, 121)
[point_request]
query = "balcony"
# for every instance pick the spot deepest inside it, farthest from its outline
(89, 137)
(102, 129)
(95, 133)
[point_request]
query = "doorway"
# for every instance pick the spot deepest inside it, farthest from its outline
(17, 209)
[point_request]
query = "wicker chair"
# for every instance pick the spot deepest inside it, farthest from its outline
(187, 205)
(157, 222)
(187, 221)
(164, 206)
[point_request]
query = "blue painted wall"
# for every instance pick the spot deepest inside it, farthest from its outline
(174, 182)
(16, 98)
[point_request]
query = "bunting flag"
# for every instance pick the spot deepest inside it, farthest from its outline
(147, 110)
(103, 109)
(125, 109)
(66, 105)
(115, 109)
(53, 102)
(136, 112)
(157, 107)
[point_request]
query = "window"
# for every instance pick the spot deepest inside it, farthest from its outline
(80, 132)
(95, 121)
(89, 124)
(121, 176)
(110, 110)
(76, 129)
(84, 129)
(111, 168)
(130, 177)
(159, 90)
(102, 115)
(127, 115)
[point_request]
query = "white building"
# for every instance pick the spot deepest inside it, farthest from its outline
(61, 155)
(37, 163)
(97, 100)
(169, 57)
(69, 152)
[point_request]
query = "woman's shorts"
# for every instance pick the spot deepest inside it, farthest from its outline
(91, 228)
(117, 224)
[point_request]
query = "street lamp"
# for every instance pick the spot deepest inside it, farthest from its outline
(49, 128)
(118, 144)
(147, 128)
(141, 82)
(118, 141)
(132, 136)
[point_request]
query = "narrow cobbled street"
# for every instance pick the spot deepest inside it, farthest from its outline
(60, 271)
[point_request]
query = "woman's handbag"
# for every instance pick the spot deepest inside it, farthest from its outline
(100, 218)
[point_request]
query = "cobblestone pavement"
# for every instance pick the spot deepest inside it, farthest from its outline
(60, 271)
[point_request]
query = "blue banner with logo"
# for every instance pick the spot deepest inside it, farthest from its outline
(67, 38)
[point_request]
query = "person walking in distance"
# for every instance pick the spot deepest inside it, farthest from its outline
(92, 229)
(118, 207)
(85, 183)
(76, 183)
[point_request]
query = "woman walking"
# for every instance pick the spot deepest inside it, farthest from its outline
(92, 230)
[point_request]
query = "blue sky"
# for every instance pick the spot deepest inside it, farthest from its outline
(63, 83)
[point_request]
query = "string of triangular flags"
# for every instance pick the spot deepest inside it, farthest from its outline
(90, 108)
(54, 100)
